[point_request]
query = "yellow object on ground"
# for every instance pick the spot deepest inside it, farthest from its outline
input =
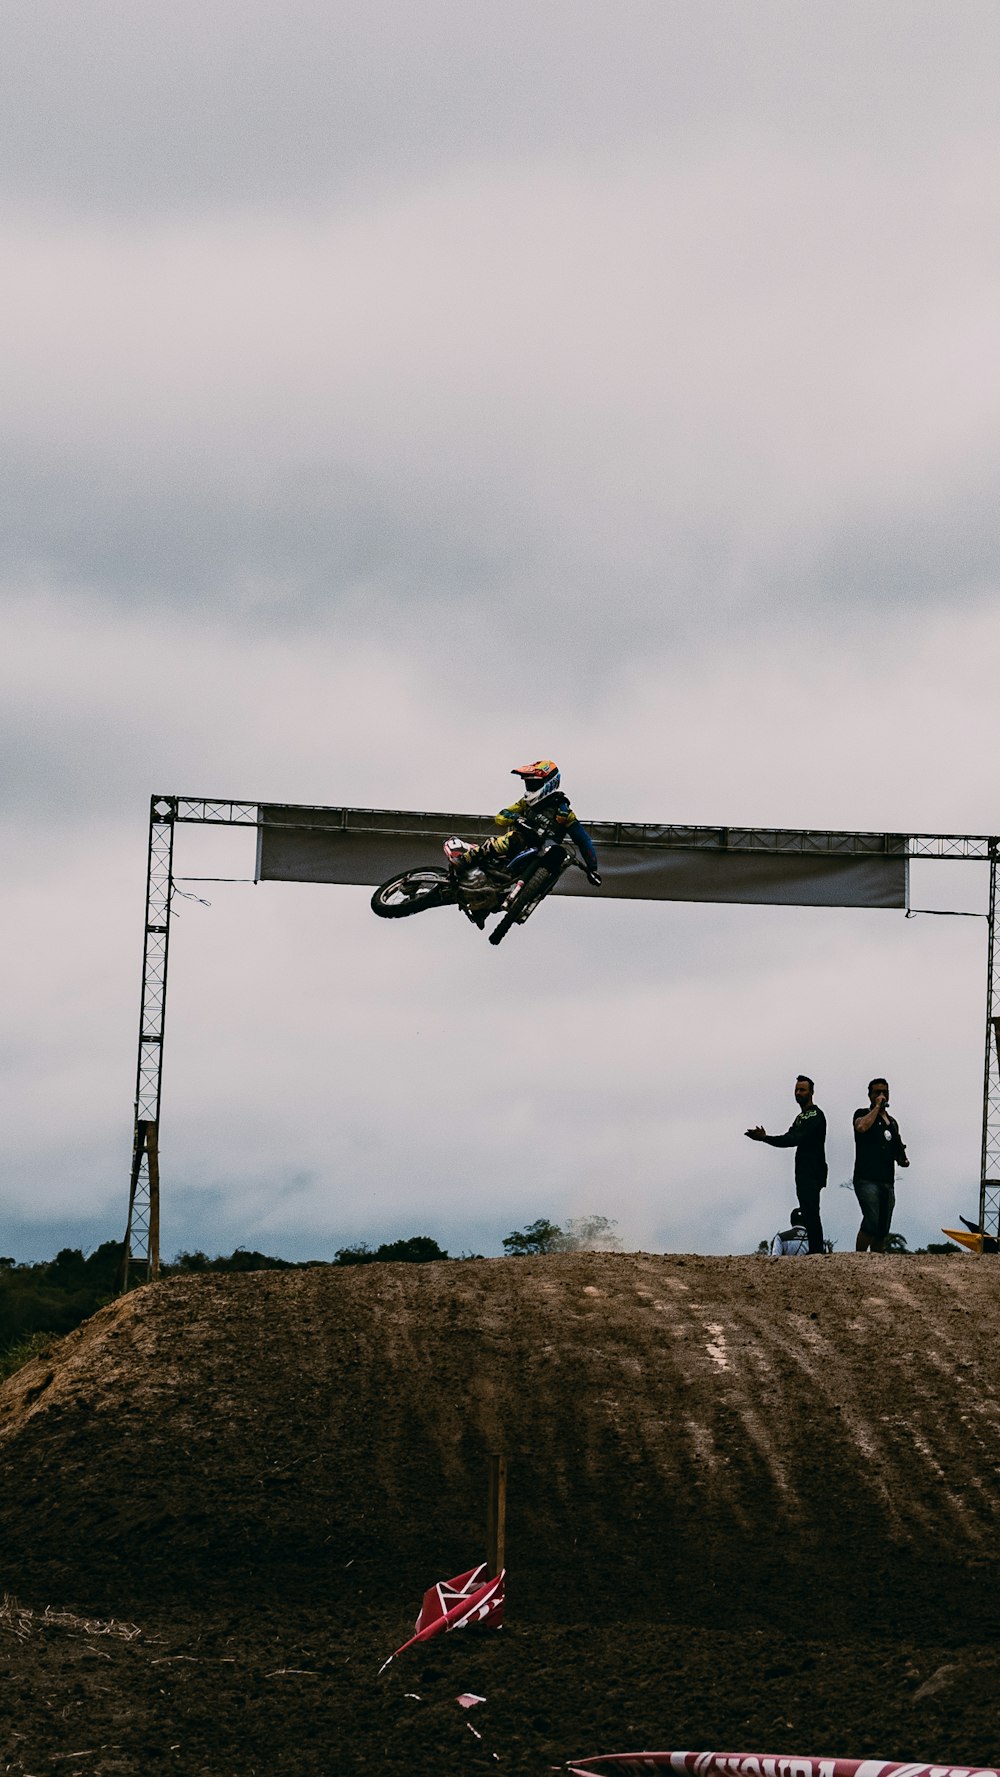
(974, 1242)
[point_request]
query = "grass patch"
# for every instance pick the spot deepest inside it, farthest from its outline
(23, 1350)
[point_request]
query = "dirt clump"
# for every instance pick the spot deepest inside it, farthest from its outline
(753, 1504)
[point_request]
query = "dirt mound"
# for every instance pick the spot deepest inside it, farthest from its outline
(750, 1500)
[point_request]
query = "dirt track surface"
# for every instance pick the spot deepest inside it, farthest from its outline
(753, 1505)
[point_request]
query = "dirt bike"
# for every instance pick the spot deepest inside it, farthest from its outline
(479, 887)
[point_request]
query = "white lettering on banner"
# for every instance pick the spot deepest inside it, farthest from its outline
(754, 1764)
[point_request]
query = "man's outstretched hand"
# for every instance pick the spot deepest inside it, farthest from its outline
(757, 1133)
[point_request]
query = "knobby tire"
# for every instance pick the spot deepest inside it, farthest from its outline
(438, 893)
(528, 892)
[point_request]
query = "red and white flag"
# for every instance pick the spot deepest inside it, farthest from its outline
(455, 1604)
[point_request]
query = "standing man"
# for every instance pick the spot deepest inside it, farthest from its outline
(807, 1136)
(878, 1150)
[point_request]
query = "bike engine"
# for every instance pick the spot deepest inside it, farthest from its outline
(476, 890)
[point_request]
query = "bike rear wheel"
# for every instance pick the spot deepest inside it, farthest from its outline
(411, 892)
(530, 892)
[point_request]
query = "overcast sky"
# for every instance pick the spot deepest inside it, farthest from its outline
(392, 394)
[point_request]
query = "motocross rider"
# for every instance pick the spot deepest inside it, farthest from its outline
(542, 809)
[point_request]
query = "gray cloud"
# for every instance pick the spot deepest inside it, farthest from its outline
(391, 393)
(218, 104)
(102, 707)
(436, 410)
(282, 547)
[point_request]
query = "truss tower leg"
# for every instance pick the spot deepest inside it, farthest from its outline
(142, 1232)
(989, 1183)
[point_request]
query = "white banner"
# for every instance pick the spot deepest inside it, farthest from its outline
(759, 1764)
(792, 868)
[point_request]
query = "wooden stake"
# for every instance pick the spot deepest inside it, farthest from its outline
(496, 1514)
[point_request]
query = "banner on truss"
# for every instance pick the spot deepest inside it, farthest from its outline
(648, 863)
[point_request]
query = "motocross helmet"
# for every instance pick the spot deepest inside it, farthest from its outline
(541, 779)
(457, 851)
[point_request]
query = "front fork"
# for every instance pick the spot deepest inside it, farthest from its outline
(554, 865)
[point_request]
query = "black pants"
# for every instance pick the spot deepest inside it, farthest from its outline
(808, 1195)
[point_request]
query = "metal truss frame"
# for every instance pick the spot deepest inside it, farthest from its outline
(989, 1177)
(143, 1225)
(142, 1232)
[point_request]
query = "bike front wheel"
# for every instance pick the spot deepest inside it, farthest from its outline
(523, 903)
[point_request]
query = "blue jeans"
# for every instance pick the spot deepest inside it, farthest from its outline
(877, 1204)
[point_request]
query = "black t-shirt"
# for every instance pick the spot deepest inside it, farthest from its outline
(807, 1136)
(877, 1149)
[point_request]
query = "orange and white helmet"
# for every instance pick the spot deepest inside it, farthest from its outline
(457, 851)
(540, 779)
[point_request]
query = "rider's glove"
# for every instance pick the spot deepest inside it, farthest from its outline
(593, 877)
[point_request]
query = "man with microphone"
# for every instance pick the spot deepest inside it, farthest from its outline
(878, 1150)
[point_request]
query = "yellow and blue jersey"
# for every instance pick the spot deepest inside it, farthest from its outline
(523, 826)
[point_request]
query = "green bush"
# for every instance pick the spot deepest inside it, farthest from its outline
(55, 1295)
(541, 1236)
(34, 1345)
(420, 1249)
(240, 1260)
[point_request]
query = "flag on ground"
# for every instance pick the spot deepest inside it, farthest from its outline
(455, 1604)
